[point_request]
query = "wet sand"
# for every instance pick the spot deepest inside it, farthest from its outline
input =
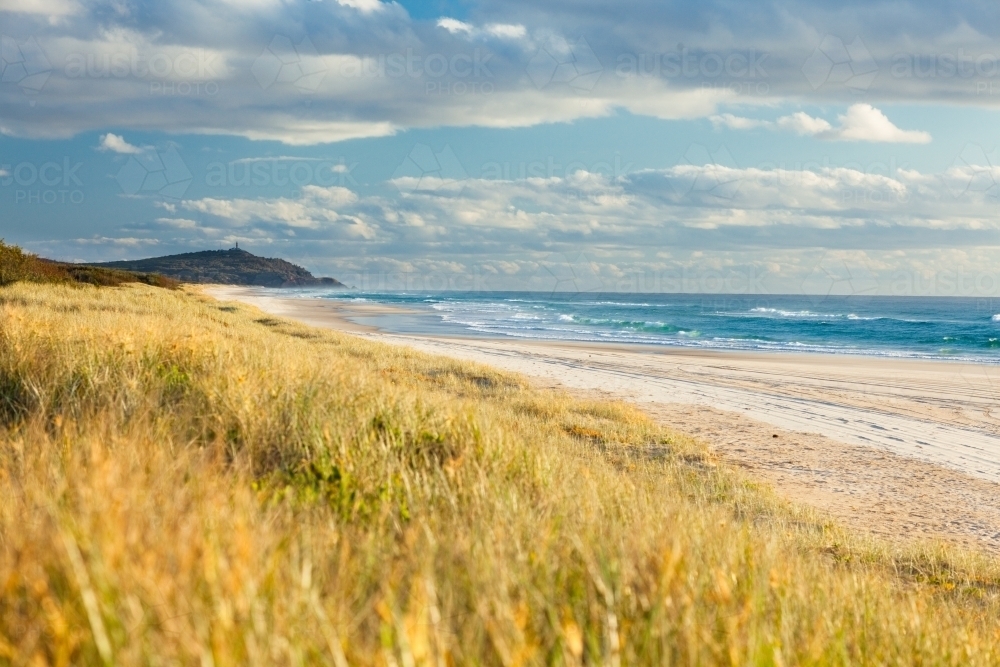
(900, 448)
(314, 312)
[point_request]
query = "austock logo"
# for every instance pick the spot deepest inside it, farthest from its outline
(424, 170)
(834, 62)
(46, 183)
(155, 172)
(573, 273)
(282, 61)
(558, 61)
(841, 274)
(24, 64)
(704, 172)
(974, 171)
(169, 73)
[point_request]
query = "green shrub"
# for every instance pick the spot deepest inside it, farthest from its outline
(17, 265)
(14, 264)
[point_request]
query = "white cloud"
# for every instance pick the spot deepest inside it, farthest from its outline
(48, 8)
(200, 49)
(803, 124)
(277, 158)
(455, 27)
(737, 122)
(313, 209)
(625, 222)
(629, 212)
(117, 144)
(127, 241)
(363, 6)
(508, 31)
(861, 122)
(505, 30)
(329, 196)
(178, 223)
(301, 132)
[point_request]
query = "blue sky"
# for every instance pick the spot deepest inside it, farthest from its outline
(717, 146)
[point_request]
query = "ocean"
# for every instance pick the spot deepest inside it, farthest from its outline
(966, 329)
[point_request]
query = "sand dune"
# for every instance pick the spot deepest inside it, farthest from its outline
(933, 411)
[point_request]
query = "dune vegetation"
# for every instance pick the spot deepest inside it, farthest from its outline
(17, 265)
(187, 481)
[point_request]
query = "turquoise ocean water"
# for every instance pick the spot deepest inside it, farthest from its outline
(913, 327)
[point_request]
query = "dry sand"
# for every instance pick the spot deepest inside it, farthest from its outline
(899, 448)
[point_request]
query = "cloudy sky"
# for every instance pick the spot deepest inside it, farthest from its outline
(664, 146)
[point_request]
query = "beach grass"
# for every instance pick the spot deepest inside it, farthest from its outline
(188, 481)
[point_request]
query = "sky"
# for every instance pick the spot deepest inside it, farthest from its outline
(754, 148)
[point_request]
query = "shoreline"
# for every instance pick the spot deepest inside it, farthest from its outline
(348, 310)
(897, 447)
(328, 312)
(315, 312)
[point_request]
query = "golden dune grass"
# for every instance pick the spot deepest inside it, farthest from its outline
(184, 481)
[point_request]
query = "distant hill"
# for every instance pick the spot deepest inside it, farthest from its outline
(227, 267)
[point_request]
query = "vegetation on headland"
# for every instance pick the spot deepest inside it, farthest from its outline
(17, 265)
(227, 267)
(184, 480)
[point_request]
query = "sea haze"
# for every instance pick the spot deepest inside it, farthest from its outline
(937, 328)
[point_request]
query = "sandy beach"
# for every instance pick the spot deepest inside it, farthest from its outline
(900, 448)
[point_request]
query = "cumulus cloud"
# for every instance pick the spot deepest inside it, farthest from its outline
(802, 123)
(632, 212)
(312, 209)
(117, 144)
(705, 215)
(861, 122)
